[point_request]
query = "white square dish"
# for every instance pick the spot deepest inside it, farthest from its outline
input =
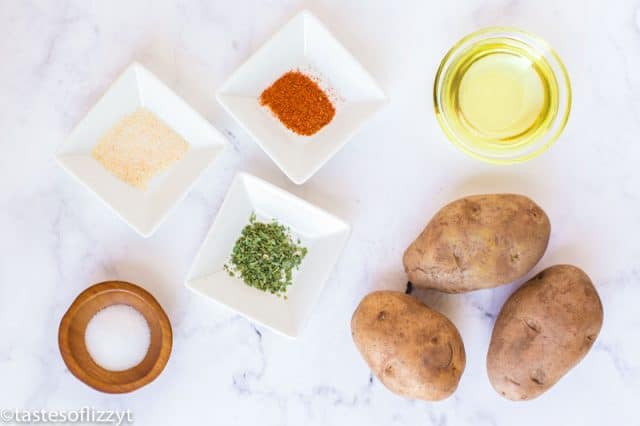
(302, 44)
(321, 233)
(136, 88)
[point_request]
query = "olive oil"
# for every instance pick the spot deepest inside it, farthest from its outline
(498, 93)
(501, 95)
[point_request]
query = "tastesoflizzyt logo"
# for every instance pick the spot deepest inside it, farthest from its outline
(85, 415)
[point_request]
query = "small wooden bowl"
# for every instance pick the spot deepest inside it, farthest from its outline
(74, 323)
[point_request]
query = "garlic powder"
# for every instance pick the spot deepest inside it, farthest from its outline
(138, 147)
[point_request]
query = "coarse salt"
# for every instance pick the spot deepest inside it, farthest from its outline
(117, 337)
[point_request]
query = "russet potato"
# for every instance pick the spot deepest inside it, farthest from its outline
(477, 242)
(543, 330)
(414, 350)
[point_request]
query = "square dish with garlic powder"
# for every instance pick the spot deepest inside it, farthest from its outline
(138, 147)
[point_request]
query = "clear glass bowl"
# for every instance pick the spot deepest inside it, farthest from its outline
(496, 151)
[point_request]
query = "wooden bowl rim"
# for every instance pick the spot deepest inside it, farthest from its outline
(97, 290)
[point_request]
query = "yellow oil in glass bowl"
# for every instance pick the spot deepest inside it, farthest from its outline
(502, 95)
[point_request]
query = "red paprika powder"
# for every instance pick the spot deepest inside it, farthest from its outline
(299, 103)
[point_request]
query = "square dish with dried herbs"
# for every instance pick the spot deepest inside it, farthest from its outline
(265, 256)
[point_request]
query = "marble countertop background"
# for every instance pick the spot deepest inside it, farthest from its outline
(58, 57)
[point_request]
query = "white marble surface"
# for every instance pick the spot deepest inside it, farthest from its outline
(57, 57)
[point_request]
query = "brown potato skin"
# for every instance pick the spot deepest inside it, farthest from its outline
(414, 351)
(544, 329)
(477, 242)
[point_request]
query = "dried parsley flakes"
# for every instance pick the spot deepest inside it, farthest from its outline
(265, 255)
